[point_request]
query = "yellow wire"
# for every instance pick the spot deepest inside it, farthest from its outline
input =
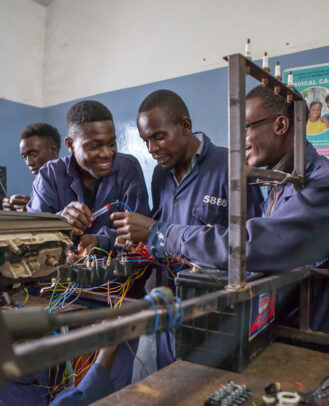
(27, 296)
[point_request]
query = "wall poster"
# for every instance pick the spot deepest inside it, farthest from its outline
(313, 83)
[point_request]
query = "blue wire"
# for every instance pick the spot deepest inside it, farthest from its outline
(178, 269)
(123, 248)
(124, 205)
(156, 321)
(62, 298)
(168, 276)
(161, 296)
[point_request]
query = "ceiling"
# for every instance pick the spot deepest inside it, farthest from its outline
(44, 2)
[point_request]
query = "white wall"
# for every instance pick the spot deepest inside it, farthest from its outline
(95, 46)
(22, 39)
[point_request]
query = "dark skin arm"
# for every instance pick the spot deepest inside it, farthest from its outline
(79, 216)
(106, 356)
(15, 203)
(87, 242)
(132, 226)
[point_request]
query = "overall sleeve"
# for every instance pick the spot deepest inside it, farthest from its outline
(254, 200)
(296, 234)
(99, 383)
(44, 197)
(95, 385)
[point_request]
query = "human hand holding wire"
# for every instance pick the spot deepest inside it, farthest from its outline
(132, 226)
(79, 216)
(87, 242)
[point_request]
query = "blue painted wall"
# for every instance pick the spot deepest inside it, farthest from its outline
(205, 94)
(13, 118)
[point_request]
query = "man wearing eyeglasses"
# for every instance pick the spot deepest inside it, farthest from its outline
(295, 228)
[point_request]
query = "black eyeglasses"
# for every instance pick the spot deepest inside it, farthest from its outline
(263, 120)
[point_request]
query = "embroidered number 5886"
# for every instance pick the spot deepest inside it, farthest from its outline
(215, 200)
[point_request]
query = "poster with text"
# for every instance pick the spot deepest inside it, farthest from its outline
(313, 83)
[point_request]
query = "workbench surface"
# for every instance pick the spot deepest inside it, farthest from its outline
(188, 384)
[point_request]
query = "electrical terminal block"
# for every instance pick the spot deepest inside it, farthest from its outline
(94, 272)
(230, 394)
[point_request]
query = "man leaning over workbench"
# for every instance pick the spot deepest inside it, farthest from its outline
(91, 177)
(190, 182)
(295, 228)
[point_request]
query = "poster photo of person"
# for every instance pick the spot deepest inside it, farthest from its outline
(313, 83)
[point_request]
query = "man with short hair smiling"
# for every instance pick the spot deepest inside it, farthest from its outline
(295, 229)
(91, 177)
(40, 143)
(94, 175)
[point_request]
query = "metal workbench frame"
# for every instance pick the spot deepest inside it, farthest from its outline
(239, 67)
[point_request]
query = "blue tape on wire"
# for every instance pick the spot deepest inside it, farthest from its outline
(161, 296)
(156, 321)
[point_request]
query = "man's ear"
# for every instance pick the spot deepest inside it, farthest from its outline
(69, 144)
(186, 123)
(54, 150)
(282, 125)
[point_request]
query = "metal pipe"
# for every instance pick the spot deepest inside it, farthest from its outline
(237, 177)
(304, 304)
(33, 323)
(264, 77)
(299, 138)
(316, 337)
(276, 176)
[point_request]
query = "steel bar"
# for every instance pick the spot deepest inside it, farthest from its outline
(266, 78)
(237, 177)
(33, 323)
(49, 351)
(276, 176)
(299, 138)
(304, 304)
(309, 336)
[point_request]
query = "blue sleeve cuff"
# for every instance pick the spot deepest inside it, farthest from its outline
(157, 238)
(173, 240)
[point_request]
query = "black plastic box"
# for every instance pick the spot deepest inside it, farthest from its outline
(226, 338)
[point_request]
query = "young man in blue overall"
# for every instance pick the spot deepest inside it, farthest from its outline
(189, 184)
(40, 143)
(295, 228)
(94, 175)
(91, 177)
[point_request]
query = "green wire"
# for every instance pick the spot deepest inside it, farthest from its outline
(52, 296)
(99, 249)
